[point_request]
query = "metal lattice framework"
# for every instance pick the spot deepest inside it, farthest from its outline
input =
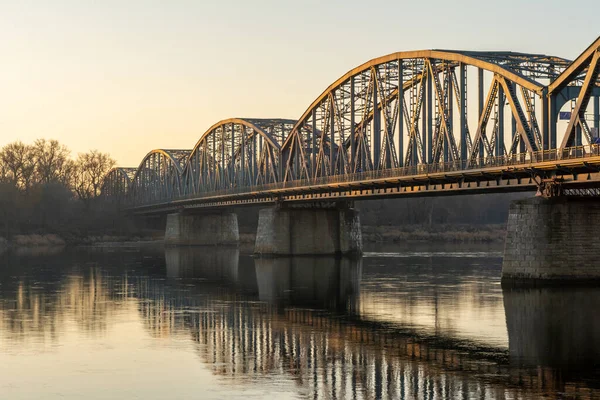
(117, 182)
(237, 153)
(411, 108)
(159, 176)
(452, 113)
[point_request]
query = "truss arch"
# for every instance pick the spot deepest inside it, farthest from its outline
(117, 183)
(370, 128)
(236, 152)
(158, 177)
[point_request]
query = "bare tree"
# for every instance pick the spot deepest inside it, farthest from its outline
(90, 169)
(19, 162)
(52, 161)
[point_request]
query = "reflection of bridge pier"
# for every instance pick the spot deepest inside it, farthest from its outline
(554, 327)
(316, 282)
(206, 262)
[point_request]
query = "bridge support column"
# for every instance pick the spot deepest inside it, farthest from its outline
(308, 230)
(202, 229)
(552, 239)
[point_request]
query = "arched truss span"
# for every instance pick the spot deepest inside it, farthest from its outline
(582, 74)
(446, 109)
(236, 152)
(411, 108)
(158, 178)
(117, 182)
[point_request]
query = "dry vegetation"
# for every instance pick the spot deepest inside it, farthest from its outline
(48, 198)
(440, 233)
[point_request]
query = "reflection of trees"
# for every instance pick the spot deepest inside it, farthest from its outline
(38, 312)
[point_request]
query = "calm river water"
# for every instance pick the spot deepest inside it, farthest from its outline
(414, 323)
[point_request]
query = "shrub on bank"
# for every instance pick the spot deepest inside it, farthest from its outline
(38, 240)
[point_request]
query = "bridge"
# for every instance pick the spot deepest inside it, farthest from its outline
(415, 123)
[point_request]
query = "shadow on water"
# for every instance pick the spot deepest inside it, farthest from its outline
(315, 282)
(312, 282)
(267, 320)
(555, 328)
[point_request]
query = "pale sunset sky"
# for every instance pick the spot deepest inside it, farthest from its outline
(128, 76)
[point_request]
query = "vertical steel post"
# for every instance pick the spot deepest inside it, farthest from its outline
(500, 138)
(480, 101)
(213, 153)
(313, 156)
(231, 159)
(253, 160)
(223, 130)
(463, 112)
(376, 134)
(552, 120)
(450, 108)
(545, 124)
(260, 151)
(521, 140)
(352, 127)
(400, 114)
(243, 157)
(428, 115)
(332, 137)
(597, 113)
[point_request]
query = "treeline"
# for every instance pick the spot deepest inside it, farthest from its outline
(425, 212)
(480, 209)
(44, 189)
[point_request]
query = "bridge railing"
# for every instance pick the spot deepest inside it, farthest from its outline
(520, 159)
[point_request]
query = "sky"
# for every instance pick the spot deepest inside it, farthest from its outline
(128, 76)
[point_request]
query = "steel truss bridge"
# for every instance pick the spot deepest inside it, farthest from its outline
(427, 122)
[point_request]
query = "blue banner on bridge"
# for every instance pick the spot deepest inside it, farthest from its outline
(565, 115)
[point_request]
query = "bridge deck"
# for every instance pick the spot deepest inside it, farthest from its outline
(579, 168)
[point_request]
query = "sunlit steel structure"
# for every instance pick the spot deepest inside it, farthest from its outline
(416, 122)
(159, 176)
(117, 183)
(236, 153)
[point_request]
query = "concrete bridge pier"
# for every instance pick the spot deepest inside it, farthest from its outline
(309, 229)
(217, 228)
(552, 239)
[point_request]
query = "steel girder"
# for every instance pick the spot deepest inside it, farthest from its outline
(117, 182)
(411, 108)
(432, 108)
(158, 178)
(236, 152)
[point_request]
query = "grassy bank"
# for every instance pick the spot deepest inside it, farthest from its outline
(421, 233)
(53, 240)
(371, 234)
(439, 233)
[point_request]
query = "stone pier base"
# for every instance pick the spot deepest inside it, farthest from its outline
(202, 229)
(287, 231)
(552, 239)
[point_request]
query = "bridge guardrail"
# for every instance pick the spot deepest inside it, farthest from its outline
(531, 158)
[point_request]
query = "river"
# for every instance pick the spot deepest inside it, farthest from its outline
(412, 322)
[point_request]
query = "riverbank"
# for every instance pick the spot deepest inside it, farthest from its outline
(435, 233)
(370, 234)
(420, 233)
(53, 240)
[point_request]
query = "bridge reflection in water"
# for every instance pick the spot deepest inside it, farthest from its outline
(263, 320)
